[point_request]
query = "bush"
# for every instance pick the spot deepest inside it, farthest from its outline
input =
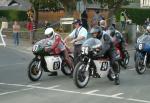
(137, 15)
(11, 15)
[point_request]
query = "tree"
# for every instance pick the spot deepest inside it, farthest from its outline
(113, 5)
(44, 5)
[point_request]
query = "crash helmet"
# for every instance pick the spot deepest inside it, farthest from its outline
(102, 23)
(148, 28)
(49, 32)
(111, 31)
(97, 30)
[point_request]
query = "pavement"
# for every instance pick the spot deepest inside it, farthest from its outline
(27, 46)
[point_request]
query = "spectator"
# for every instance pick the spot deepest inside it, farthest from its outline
(31, 28)
(96, 18)
(123, 21)
(46, 25)
(146, 23)
(16, 32)
(84, 19)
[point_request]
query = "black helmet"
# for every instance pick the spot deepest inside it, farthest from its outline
(95, 30)
(98, 30)
(111, 31)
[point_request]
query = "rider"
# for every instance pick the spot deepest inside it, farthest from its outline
(107, 49)
(119, 39)
(58, 47)
(147, 30)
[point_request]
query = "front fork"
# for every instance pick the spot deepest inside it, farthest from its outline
(145, 59)
(88, 65)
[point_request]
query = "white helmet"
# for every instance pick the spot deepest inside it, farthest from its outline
(49, 31)
(148, 28)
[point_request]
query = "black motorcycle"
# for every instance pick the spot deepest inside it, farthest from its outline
(142, 54)
(48, 62)
(91, 64)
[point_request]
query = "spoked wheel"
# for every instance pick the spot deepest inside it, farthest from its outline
(81, 76)
(125, 61)
(139, 66)
(35, 70)
(66, 69)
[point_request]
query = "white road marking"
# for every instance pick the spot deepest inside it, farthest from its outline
(15, 91)
(116, 95)
(90, 92)
(53, 87)
(107, 96)
(34, 84)
(139, 100)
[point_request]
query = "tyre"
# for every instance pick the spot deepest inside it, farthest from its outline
(80, 75)
(66, 69)
(125, 61)
(34, 70)
(139, 65)
(111, 75)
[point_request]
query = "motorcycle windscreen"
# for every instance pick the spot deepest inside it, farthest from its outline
(44, 42)
(145, 40)
(91, 42)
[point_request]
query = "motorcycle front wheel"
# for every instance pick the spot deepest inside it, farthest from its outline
(80, 75)
(139, 66)
(35, 70)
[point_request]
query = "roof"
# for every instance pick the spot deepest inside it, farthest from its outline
(14, 4)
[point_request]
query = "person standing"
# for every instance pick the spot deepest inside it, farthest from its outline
(46, 24)
(123, 21)
(30, 29)
(78, 36)
(16, 32)
(84, 19)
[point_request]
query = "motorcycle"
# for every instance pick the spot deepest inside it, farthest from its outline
(142, 54)
(124, 56)
(91, 65)
(49, 62)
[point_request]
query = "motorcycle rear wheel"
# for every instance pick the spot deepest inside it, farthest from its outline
(111, 75)
(80, 75)
(66, 69)
(125, 61)
(34, 73)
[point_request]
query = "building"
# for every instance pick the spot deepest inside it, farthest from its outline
(139, 4)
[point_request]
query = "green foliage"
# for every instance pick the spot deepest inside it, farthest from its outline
(11, 15)
(137, 16)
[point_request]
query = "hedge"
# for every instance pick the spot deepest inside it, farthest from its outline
(137, 15)
(11, 15)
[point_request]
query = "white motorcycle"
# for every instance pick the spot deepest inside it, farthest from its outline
(91, 65)
(46, 61)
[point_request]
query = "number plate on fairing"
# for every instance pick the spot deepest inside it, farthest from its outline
(102, 66)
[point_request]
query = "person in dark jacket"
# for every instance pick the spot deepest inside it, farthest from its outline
(107, 49)
(84, 20)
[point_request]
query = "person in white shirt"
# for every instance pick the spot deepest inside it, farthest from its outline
(78, 36)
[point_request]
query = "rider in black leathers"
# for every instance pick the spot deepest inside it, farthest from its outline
(107, 49)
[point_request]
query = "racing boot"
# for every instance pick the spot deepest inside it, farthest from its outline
(117, 81)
